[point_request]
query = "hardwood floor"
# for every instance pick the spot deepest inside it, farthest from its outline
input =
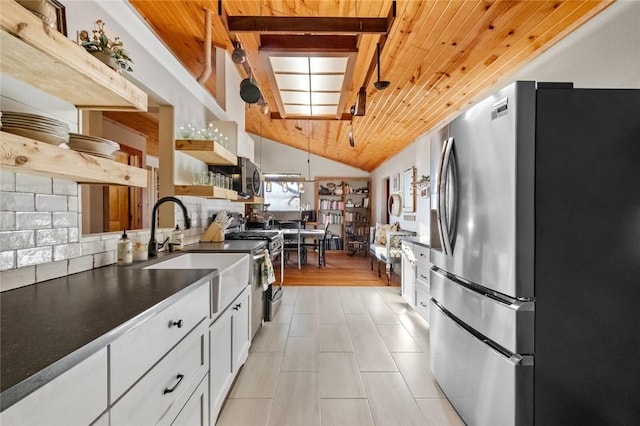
(341, 270)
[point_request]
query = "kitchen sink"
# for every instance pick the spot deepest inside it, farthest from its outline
(233, 273)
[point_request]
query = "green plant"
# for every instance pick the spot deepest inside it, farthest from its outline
(100, 43)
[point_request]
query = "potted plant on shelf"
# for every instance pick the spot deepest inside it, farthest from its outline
(109, 51)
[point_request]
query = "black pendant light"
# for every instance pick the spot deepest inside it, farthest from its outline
(380, 84)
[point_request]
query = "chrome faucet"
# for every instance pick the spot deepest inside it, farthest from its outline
(153, 244)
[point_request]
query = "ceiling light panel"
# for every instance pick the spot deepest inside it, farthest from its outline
(301, 98)
(309, 85)
(321, 65)
(293, 82)
(326, 98)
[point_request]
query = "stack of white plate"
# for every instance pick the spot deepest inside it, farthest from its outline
(37, 127)
(93, 145)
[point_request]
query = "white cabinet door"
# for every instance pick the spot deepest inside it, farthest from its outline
(408, 275)
(220, 362)
(77, 397)
(196, 410)
(241, 328)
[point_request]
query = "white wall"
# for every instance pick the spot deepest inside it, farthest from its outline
(603, 53)
(275, 157)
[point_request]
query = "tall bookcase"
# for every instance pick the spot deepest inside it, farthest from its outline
(344, 203)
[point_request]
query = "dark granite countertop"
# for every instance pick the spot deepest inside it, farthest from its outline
(49, 327)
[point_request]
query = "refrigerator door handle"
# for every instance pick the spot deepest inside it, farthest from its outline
(440, 192)
(448, 211)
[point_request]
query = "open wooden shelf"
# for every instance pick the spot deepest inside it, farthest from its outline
(206, 191)
(51, 62)
(208, 151)
(252, 200)
(24, 155)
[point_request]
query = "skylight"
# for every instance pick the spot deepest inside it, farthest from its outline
(309, 85)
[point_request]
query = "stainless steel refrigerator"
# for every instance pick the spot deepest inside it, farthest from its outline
(536, 257)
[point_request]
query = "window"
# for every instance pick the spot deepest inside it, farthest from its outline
(282, 192)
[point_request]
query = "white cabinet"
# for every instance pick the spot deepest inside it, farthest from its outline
(160, 395)
(77, 397)
(422, 284)
(196, 410)
(408, 273)
(138, 350)
(230, 337)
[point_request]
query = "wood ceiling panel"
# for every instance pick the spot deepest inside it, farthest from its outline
(439, 56)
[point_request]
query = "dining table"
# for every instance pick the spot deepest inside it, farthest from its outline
(300, 235)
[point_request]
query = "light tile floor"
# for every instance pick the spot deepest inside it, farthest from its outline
(339, 356)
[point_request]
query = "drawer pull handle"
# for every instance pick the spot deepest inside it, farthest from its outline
(421, 254)
(423, 276)
(169, 390)
(238, 306)
(423, 304)
(178, 323)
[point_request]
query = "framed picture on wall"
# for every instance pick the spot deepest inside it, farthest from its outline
(408, 192)
(395, 183)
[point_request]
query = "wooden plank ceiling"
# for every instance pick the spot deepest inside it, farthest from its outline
(438, 56)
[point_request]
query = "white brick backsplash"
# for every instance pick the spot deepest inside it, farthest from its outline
(104, 259)
(17, 201)
(33, 220)
(79, 264)
(73, 235)
(67, 251)
(7, 260)
(34, 256)
(49, 237)
(111, 245)
(64, 187)
(51, 270)
(14, 240)
(73, 204)
(7, 221)
(51, 203)
(65, 220)
(15, 278)
(33, 183)
(7, 181)
(92, 247)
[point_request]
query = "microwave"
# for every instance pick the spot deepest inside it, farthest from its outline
(246, 177)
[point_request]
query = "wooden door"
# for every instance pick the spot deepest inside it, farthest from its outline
(123, 209)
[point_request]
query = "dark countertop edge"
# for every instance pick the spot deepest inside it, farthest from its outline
(422, 241)
(34, 382)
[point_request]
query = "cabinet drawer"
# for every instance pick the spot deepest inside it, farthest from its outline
(196, 410)
(421, 253)
(422, 271)
(422, 303)
(136, 351)
(77, 397)
(163, 391)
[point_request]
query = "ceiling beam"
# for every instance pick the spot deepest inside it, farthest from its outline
(343, 117)
(308, 43)
(308, 24)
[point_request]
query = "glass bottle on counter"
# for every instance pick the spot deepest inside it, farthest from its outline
(177, 239)
(125, 250)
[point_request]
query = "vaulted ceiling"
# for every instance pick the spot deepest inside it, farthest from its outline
(437, 55)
